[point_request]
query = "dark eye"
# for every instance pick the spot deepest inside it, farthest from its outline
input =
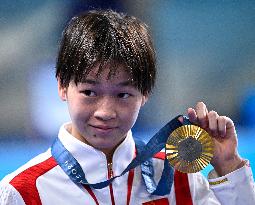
(89, 93)
(123, 95)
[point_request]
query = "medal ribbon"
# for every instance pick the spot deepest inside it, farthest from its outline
(145, 152)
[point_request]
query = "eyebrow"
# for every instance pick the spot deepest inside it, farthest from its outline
(95, 82)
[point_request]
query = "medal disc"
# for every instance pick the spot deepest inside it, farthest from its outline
(189, 148)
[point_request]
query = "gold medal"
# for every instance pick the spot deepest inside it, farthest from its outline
(189, 148)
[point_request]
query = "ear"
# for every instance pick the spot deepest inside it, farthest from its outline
(62, 91)
(144, 99)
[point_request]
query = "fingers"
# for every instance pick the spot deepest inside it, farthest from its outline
(202, 113)
(216, 125)
(199, 115)
(222, 126)
(225, 124)
(192, 115)
(213, 122)
(180, 119)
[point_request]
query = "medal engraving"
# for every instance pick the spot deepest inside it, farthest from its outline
(190, 149)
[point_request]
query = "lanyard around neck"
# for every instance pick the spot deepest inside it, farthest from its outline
(145, 152)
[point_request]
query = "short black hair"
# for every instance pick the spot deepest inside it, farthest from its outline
(106, 36)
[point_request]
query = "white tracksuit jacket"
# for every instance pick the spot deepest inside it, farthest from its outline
(42, 181)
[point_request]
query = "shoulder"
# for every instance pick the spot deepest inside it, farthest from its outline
(26, 175)
(21, 184)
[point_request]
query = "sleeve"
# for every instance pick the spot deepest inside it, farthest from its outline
(9, 195)
(200, 191)
(235, 188)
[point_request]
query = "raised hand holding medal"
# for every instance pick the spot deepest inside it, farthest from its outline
(222, 130)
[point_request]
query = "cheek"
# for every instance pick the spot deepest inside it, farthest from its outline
(132, 115)
(77, 113)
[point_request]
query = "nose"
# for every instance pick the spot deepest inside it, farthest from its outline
(106, 109)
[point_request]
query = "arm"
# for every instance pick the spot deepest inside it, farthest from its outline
(234, 181)
(236, 187)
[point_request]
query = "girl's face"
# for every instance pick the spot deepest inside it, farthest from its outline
(103, 109)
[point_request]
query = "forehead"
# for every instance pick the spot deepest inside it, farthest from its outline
(109, 72)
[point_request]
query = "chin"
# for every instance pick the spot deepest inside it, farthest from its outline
(102, 143)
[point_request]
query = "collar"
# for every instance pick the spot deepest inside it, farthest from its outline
(93, 161)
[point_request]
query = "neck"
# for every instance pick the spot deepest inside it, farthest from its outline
(108, 154)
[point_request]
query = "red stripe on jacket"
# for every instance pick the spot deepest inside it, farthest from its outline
(25, 182)
(182, 190)
(181, 184)
(160, 155)
(163, 201)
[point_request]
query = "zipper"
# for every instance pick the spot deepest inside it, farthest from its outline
(110, 175)
(110, 171)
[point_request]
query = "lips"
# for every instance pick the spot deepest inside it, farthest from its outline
(102, 128)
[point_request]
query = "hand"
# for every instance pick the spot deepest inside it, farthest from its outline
(221, 128)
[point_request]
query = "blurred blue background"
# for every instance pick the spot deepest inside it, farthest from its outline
(205, 52)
